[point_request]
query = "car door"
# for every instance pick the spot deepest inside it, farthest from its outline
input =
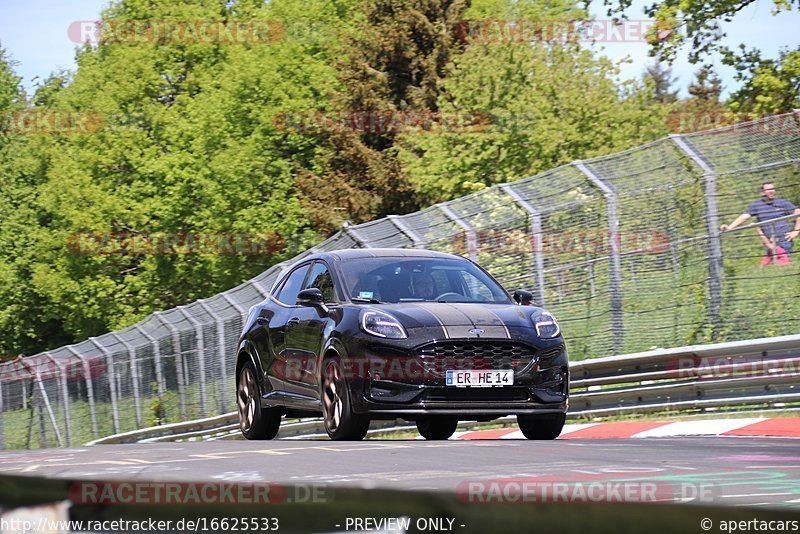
(304, 340)
(284, 307)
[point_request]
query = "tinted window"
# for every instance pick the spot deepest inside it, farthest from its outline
(391, 279)
(292, 286)
(321, 278)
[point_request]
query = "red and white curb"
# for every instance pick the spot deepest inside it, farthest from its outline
(783, 427)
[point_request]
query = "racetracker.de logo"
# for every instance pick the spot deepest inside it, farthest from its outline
(550, 491)
(173, 32)
(593, 31)
(195, 493)
(168, 243)
(51, 121)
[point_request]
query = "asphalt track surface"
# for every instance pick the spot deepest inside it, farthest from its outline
(735, 471)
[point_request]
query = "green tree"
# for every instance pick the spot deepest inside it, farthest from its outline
(660, 76)
(546, 105)
(770, 86)
(696, 21)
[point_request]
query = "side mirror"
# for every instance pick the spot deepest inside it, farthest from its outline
(310, 297)
(523, 298)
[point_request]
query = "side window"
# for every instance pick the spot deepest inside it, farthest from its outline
(320, 278)
(292, 286)
(477, 289)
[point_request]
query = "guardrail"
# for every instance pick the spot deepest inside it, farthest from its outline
(759, 373)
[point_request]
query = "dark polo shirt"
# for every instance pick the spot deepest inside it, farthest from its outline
(765, 211)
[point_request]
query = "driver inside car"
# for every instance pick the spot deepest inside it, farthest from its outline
(422, 286)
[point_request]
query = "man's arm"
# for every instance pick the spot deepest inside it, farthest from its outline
(736, 222)
(796, 232)
(767, 242)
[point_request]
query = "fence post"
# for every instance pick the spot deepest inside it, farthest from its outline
(715, 260)
(176, 344)
(137, 405)
(87, 377)
(223, 386)
(201, 356)
(112, 383)
(614, 259)
(404, 228)
(62, 378)
(43, 398)
(472, 238)
(156, 359)
(353, 234)
(536, 234)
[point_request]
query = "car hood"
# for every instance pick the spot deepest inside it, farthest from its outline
(458, 319)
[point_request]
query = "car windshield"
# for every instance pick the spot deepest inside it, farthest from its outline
(397, 279)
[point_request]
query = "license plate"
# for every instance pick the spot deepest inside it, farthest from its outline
(479, 379)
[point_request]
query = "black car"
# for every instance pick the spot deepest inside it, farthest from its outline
(364, 334)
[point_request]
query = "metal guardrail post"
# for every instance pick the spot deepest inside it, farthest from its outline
(62, 378)
(176, 344)
(201, 356)
(87, 377)
(404, 228)
(614, 259)
(472, 238)
(223, 394)
(137, 403)
(537, 238)
(715, 259)
(156, 360)
(112, 383)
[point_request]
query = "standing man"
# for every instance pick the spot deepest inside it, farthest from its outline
(766, 208)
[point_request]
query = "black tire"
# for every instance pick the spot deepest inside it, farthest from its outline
(255, 422)
(341, 423)
(437, 428)
(546, 426)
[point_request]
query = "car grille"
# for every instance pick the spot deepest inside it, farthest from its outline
(479, 355)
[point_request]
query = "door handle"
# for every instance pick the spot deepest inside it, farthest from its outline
(294, 321)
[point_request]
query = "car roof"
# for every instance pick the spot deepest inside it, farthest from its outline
(358, 253)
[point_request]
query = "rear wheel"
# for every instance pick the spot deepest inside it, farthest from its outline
(255, 422)
(341, 423)
(437, 428)
(546, 426)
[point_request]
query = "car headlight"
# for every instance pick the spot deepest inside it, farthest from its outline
(382, 325)
(546, 325)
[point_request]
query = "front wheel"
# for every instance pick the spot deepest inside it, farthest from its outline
(254, 421)
(341, 423)
(546, 426)
(437, 428)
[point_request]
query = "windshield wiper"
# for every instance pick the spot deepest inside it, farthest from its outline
(365, 299)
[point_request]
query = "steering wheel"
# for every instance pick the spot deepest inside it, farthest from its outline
(445, 296)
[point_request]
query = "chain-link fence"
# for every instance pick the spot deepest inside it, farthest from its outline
(625, 249)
